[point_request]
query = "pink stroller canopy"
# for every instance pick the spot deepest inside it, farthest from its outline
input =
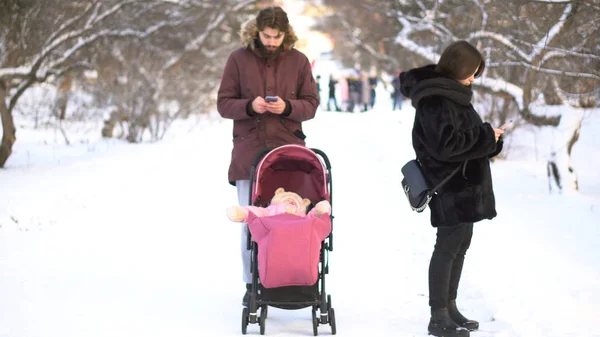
(295, 168)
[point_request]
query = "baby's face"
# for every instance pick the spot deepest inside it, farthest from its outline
(290, 200)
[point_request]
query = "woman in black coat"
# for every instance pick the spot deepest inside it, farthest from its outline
(448, 133)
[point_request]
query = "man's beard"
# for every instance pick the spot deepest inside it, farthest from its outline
(267, 52)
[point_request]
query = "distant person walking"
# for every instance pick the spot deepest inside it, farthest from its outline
(354, 91)
(372, 86)
(332, 84)
(318, 80)
(365, 92)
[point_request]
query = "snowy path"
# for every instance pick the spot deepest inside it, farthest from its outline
(134, 242)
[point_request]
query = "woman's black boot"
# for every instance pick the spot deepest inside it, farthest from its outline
(459, 319)
(442, 325)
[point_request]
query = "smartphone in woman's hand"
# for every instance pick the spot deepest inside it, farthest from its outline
(507, 124)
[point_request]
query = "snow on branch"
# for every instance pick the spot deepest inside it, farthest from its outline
(70, 22)
(554, 1)
(94, 20)
(503, 40)
(545, 70)
(199, 4)
(243, 4)
(105, 33)
(553, 32)
(18, 72)
(572, 51)
(484, 14)
(500, 85)
(61, 71)
(94, 15)
(363, 44)
(196, 43)
(212, 5)
(415, 24)
(405, 40)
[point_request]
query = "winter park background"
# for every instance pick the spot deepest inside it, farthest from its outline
(127, 236)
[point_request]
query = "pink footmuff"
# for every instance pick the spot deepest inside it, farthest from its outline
(288, 248)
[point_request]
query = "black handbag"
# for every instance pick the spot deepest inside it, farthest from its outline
(416, 187)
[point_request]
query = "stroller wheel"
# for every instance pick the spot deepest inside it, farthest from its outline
(329, 302)
(332, 321)
(244, 321)
(262, 319)
(264, 310)
(315, 321)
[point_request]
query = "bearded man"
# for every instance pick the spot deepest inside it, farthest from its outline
(268, 90)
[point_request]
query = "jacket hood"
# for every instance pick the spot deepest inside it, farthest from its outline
(419, 83)
(249, 35)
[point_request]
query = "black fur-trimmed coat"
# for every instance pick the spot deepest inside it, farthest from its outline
(447, 131)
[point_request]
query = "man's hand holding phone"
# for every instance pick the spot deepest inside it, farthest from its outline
(275, 104)
(259, 105)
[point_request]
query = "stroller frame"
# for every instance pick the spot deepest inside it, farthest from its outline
(322, 302)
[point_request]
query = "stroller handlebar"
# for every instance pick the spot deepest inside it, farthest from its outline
(260, 154)
(324, 157)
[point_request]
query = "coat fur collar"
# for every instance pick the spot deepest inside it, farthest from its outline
(249, 35)
(425, 82)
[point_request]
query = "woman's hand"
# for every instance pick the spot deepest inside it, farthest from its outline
(498, 133)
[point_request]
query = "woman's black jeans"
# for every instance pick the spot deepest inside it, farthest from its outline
(446, 263)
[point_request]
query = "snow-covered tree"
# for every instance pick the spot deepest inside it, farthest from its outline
(538, 53)
(179, 45)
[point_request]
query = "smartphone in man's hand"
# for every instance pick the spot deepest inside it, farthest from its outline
(271, 99)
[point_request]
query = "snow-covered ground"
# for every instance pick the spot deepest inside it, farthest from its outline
(104, 238)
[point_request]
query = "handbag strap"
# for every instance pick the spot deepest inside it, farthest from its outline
(438, 186)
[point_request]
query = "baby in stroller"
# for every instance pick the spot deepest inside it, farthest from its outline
(289, 247)
(282, 203)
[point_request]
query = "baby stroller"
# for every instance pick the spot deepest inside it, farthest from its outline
(306, 172)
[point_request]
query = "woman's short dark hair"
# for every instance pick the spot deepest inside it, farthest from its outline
(460, 60)
(273, 17)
